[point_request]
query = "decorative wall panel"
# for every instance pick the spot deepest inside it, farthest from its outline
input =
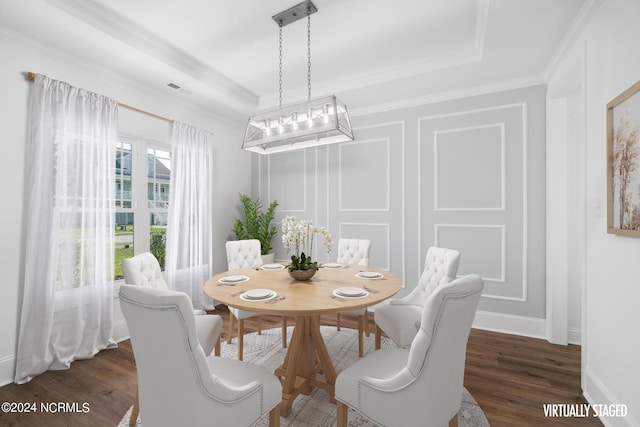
(364, 176)
(478, 187)
(380, 239)
(471, 176)
(467, 174)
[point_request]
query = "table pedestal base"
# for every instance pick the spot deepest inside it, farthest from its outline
(306, 357)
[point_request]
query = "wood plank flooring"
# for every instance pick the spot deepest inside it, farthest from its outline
(510, 377)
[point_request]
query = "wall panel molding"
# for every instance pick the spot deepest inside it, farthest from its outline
(362, 184)
(387, 237)
(497, 117)
(381, 193)
(499, 228)
(304, 193)
(407, 155)
(502, 154)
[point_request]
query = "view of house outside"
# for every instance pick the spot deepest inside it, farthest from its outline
(128, 210)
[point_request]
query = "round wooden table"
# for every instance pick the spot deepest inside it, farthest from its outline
(307, 355)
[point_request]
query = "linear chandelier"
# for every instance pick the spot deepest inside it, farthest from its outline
(312, 123)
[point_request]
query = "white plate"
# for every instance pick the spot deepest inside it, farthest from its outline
(332, 265)
(350, 293)
(258, 295)
(369, 275)
(272, 266)
(233, 279)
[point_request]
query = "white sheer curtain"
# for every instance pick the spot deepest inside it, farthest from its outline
(68, 290)
(189, 253)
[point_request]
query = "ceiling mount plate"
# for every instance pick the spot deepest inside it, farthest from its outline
(294, 13)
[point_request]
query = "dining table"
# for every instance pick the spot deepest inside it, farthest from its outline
(335, 288)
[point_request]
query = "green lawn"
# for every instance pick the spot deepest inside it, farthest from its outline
(121, 253)
(158, 247)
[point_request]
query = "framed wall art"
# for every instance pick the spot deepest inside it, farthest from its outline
(623, 163)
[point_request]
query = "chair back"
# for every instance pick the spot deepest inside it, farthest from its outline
(354, 251)
(440, 267)
(438, 352)
(425, 386)
(176, 386)
(243, 253)
(143, 270)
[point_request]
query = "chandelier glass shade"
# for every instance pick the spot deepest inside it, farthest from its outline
(316, 122)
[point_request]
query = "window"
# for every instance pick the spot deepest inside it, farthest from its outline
(143, 174)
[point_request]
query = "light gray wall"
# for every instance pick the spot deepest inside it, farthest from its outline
(467, 174)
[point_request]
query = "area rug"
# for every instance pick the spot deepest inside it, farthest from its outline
(315, 410)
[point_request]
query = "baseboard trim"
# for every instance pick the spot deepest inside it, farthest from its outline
(520, 325)
(510, 324)
(120, 331)
(575, 336)
(7, 370)
(596, 393)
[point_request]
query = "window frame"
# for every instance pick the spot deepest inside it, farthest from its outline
(140, 179)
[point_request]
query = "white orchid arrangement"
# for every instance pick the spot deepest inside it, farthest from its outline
(298, 236)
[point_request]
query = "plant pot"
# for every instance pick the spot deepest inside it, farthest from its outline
(302, 275)
(268, 258)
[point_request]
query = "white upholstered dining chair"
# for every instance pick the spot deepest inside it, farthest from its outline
(356, 251)
(144, 270)
(400, 318)
(245, 253)
(178, 384)
(422, 385)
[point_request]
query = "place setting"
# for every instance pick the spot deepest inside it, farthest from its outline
(232, 280)
(272, 267)
(258, 295)
(332, 265)
(349, 293)
(371, 275)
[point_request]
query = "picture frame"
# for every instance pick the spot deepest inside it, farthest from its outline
(623, 163)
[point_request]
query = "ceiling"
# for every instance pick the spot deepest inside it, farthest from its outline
(224, 54)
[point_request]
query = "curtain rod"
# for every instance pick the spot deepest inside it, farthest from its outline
(32, 77)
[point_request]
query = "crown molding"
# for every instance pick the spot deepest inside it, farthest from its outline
(394, 72)
(449, 96)
(118, 26)
(45, 50)
(587, 11)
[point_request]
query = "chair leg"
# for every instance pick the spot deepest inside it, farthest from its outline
(360, 333)
(338, 321)
(259, 324)
(217, 347)
(378, 340)
(274, 416)
(367, 333)
(284, 331)
(135, 411)
(230, 333)
(453, 422)
(342, 415)
(240, 338)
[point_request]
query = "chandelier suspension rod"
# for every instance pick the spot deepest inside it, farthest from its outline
(280, 62)
(309, 52)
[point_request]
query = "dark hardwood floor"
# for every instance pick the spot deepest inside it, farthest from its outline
(510, 377)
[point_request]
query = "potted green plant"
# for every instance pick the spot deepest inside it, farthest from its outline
(256, 224)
